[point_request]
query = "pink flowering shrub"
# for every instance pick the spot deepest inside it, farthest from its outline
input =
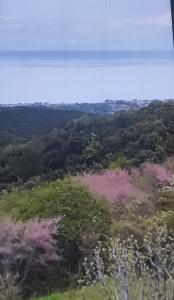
(27, 247)
(115, 185)
(39, 235)
(120, 186)
(157, 172)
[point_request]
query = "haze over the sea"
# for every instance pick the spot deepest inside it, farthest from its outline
(61, 50)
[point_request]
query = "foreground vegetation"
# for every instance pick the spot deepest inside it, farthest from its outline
(87, 212)
(62, 235)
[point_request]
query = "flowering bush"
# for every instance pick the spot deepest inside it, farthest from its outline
(25, 247)
(157, 173)
(115, 185)
(85, 219)
(120, 186)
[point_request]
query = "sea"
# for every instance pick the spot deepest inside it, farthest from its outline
(84, 58)
(85, 76)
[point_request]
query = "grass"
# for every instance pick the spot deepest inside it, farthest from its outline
(108, 293)
(86, 293)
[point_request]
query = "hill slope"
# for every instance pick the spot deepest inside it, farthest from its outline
(86, 143)
(27, 121)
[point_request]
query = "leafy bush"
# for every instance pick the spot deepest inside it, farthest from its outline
(164, 199)
(120, 162)
(85, 218)
(80, 210)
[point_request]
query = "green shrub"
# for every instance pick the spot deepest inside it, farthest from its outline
(164, 200)
(85, 218)
(121, 162)
(80, 210)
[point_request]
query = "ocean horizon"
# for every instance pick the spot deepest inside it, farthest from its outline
(55, 76)
(84, 58)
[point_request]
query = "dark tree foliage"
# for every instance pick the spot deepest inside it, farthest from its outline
(25, 121)
(81, 144)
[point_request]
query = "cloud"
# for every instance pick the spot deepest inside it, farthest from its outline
(161, 21)
(165, 20)
(87, 23)
(82, 32)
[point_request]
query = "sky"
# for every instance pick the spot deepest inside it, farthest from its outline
(84, 25)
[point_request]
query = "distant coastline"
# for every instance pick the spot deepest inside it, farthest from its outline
(102, 108)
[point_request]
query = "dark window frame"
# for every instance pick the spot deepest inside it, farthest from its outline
(172, 9)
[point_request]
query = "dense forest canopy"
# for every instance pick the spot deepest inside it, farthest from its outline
(25, 121)
(48, 144)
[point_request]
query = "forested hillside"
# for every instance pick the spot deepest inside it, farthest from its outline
(25, 121)
(81, 144)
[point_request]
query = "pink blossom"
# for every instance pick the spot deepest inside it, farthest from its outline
(39, 234)
(115, 185)
(158, 172)
(33, 241)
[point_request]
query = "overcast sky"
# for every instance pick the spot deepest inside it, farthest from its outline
(85, 24)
